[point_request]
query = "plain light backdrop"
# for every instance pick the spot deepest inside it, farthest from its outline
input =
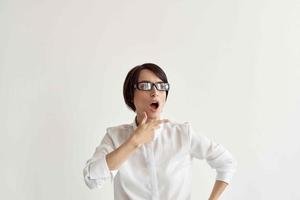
(234, 69)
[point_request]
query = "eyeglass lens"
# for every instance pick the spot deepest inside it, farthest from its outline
(148, 86)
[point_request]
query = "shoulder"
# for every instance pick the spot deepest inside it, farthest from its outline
(119, 133)
(119, 128)
(175, 124)
(184, 129)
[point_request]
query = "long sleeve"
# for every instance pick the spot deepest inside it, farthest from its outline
(215, 154)
(96, 171)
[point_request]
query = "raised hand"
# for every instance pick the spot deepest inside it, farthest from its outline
(145, 131)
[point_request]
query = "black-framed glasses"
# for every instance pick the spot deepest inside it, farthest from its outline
(147, 86)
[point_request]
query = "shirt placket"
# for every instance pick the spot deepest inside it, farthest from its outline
(153, 173)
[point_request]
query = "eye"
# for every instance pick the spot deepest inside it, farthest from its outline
(166, 86)
(144, 85)
(163, 86)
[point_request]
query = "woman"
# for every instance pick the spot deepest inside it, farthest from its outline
(151, 157)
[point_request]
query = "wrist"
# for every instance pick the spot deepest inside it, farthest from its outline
(133, 141)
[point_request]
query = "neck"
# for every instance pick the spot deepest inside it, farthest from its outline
(139, 118)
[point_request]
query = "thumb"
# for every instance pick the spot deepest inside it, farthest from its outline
(144, 118)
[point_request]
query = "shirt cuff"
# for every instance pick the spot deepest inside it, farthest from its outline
(99, 170)
(224, 176)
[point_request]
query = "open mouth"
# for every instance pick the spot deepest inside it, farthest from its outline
(154, 105)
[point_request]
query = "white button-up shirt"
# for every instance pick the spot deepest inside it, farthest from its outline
(160, 169)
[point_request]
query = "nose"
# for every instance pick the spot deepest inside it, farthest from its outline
(154, 92)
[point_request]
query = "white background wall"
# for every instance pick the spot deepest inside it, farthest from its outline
(234, 68)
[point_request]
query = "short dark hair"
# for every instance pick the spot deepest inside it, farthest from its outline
(132, 78)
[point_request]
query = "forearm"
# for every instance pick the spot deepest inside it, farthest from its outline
(121, 154)
(217, 190)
